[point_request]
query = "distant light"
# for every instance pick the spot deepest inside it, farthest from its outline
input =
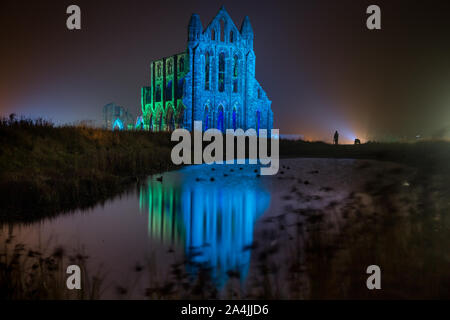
(292, 136)
(117, 124)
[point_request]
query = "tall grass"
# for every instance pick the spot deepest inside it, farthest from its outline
(418, 154)
(405, 232)
(46, 169)
(26, 274)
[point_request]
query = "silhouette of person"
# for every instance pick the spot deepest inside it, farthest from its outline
(336, 138)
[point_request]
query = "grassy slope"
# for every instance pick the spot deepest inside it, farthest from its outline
(411, 250)
(56, 169)
(53, 169)
(415, 154)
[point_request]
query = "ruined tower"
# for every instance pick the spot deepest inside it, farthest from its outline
(212, 81)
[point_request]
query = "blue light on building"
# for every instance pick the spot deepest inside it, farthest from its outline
(214, 81)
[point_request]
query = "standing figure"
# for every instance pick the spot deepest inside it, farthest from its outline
(336, 138)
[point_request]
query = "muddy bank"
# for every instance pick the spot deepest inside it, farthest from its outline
(332, 218)
(309, 232)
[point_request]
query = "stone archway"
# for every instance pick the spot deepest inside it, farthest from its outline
(118, 124)
(206, 118)
(170, 118)
(159, 121)
(180, 116)
(220, 118)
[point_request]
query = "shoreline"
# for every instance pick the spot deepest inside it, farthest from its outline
(337, 215)
(48, 170)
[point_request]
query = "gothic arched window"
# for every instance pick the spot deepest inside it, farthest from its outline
(180, 88)
(222, 30)
(235, 66)
(160, 122)
(169, 90)
(158, 68)
(222, 72)
(150, 122)
(207, 68)
(180, 116)
(205, 119)
(170, 119)
(181, 64)
(235, 73)
(158, 93)
(220, 119)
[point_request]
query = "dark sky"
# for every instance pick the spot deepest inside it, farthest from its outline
(317, 61)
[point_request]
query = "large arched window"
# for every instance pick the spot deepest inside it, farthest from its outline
(150, 121)
(235, 85)
(221, 72)
(158, 70)
(181, 64)
(169, 90)
(235, 73)
(220, 119)
(170, 120)
(180, 116)
(118, 124)
(206, 119)
(158, 93)
(222, 30)
(180, 88)
(160, 122)
(235, 66)
(207, 68)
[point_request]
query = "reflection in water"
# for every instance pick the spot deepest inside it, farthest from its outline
(162, 203)
(213, 220)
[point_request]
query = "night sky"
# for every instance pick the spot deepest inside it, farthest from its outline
(319, 64)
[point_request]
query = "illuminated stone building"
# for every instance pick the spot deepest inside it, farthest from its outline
(117, 118)
(212, 81)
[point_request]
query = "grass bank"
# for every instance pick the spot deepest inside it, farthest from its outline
(26, 274)
(402, 227)
(417, 154)
(46, 169)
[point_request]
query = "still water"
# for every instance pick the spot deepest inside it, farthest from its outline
(204, 213)
(212, 220)
(239, 225)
